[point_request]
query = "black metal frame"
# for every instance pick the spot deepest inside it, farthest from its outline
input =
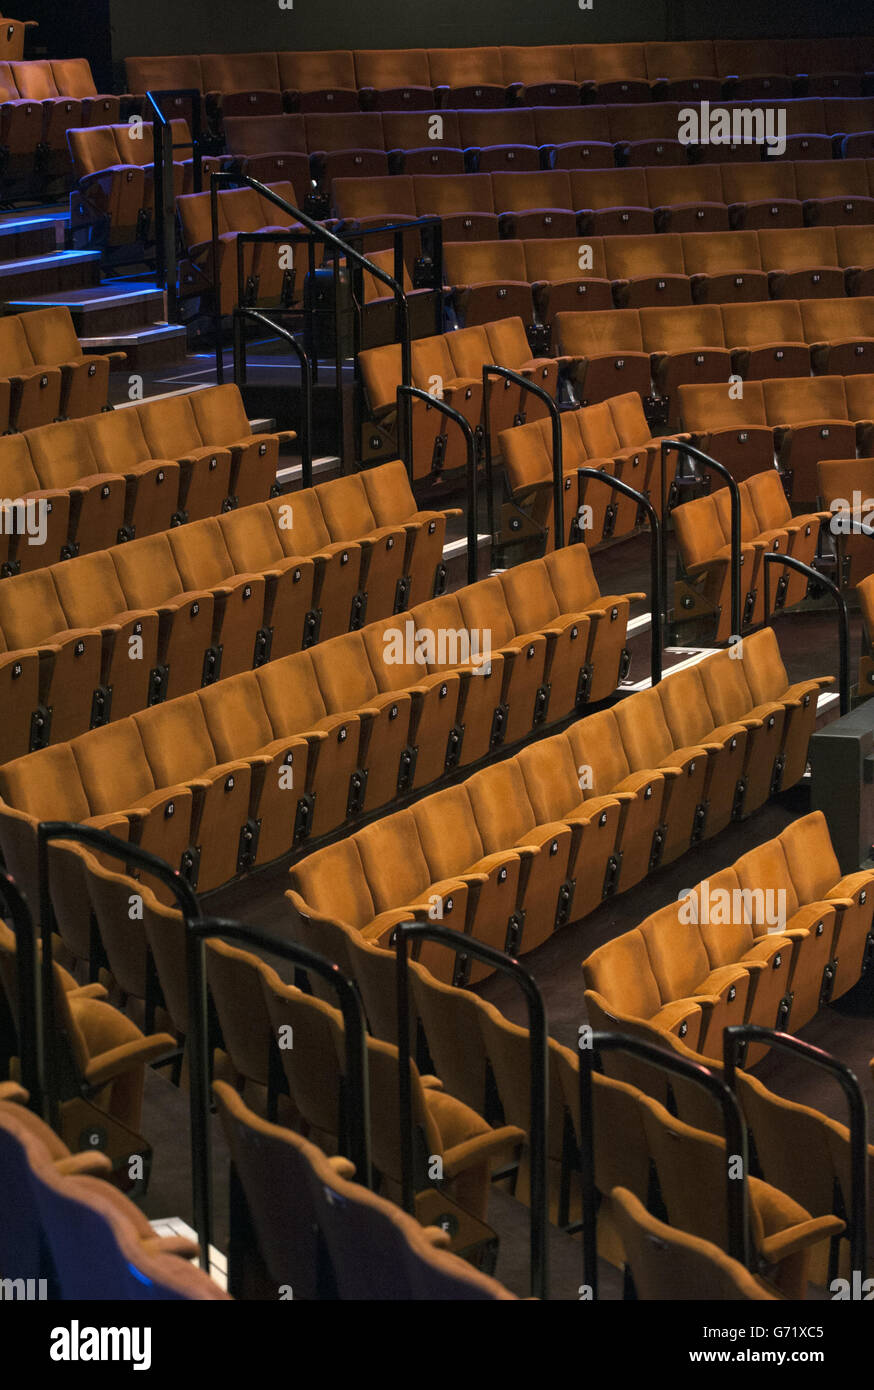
(166, 261)
(734, 1042)
(265, 318)
(735, 1142)
(539, 1079)
(508, 374)
(775, 557)
(317, 232)
(105, 843)
(405, 396)
(681, 447)
(657, 593)
(197, 932)
(30, 1028)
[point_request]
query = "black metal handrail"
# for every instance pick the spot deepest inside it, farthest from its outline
(681, 447)
(734, 1040)
(406, 395)
(265, 318)
(657, 597)
(466, 945)
(30, 1029)
(166, 264)
(105, 843)
(198, 932)
(508, 374)
(328, 238)
(793, 563)
(735, 1139)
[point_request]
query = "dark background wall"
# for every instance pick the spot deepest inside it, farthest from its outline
(106, 30)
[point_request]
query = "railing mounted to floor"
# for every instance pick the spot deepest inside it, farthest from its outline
(466, 946)
(29, 1025)
(656, 595)
(266, 318)
(507, 374)
(405, 397)
(736, 1194)
(679, 446)
(792, 562)
(102, 841)
(166, 259)
(315, 232)
(735, 1039)
(357, 1093)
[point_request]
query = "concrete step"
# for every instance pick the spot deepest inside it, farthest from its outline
(55, 274)
(162, 345)
(103, 309)
(29, 236)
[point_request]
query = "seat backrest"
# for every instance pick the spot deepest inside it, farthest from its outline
(394, 860)
(744, 57)
(449, 833)
(92, 149)
(708, 253)
(558, 125)
(610, 62)
(600, 331)
(540, 63)
(333, 881)
(162, 74)
(827, 320)
(631, 256)
(796, 248)
(622, 972)
(51, 336)
(748, 325)
(669, 1263)
(695, 58)
(266, 134)
(547, 189)
(609, 188)
(72, 77)
(855, 245)
(348, 130)
(317, 70)
(758, 181)
(682, 328)
(509, 343)
(478, 262)
(240, 72)
(683, 183)
(15, 353)
(564, 258)
(441, 195)
(789, 401)
(235, 984)
(768, 500)
(465, 67)
(810, 855)
(508, 127)
(410, 130)
(389, 196)
(17, 471)
(831, 178)
(35, 79)
(388, 68)
(711, 407)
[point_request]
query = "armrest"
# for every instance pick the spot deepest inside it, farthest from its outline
(483, 1146)
(141, 1052)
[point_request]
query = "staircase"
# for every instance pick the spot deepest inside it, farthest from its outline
(109, 314)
